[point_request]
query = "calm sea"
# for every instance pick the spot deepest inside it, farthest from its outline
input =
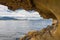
(12, 29)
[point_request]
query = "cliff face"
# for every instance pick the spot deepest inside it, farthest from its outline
(47, 9)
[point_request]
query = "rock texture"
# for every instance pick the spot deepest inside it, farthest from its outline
(44, 34)
(47, 9)
(29, 5)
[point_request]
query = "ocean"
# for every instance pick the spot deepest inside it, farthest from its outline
(12, 29)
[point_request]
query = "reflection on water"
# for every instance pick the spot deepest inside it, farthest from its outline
(11, 29)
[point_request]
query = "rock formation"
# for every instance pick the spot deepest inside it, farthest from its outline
(29, 5)
(44, 34)
(47, 9)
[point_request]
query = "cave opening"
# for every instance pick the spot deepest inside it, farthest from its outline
(26, 21)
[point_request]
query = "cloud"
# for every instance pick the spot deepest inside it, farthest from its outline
(4, 11)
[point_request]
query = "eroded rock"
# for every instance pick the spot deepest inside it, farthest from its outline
(29, 5)
(44, 34)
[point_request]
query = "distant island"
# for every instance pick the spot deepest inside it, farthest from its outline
(7, 18)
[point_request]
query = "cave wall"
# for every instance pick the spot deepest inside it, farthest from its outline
(16, 4)
(29, 5)
(47, 8)
(54, 5)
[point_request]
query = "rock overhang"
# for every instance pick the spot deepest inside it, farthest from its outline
(30, 5)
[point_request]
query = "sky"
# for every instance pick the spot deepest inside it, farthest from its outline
(4, 11)
(11, 28)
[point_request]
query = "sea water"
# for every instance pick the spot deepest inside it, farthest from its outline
(12, 29)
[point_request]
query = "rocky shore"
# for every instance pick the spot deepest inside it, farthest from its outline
(44, 34)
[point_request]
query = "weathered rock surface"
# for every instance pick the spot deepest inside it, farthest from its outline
(47, 9)
(29, 5)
